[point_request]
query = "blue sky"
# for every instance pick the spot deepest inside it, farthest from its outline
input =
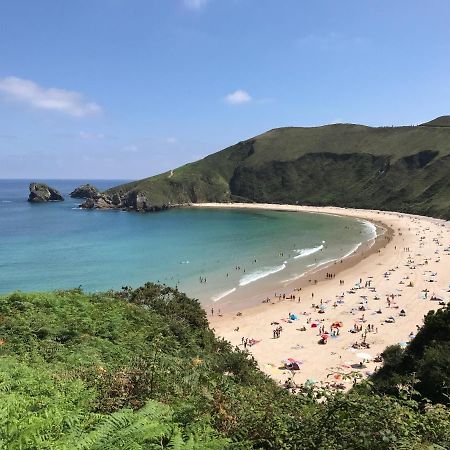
(130, 88)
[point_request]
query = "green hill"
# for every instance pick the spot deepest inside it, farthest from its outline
(395, 168)
(140, 369)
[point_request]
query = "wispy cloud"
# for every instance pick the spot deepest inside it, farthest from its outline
(132, 148)
(88, 136)
(238, 97)
(171, 140)
(51, 99)
(195, 5)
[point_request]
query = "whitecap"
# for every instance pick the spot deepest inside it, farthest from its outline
(325, 262)
(372, 228)
(218, 297)
(295, 277)
(352, 251)
(308, 251)
(258, 274)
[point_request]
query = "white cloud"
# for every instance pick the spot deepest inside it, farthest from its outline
(85, 135)
(238, 97)
(52, 99)
(195, 4)
(130, 148)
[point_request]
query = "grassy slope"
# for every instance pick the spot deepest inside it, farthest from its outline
(140, 369)
(404, 168)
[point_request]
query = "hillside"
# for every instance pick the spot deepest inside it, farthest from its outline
(425, 362)
(394, 168)
(140, 369)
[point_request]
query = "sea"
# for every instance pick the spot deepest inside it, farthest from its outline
(216, 255)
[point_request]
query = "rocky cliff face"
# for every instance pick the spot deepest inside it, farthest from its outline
(40, 192)
(132, 201)
(85, 191)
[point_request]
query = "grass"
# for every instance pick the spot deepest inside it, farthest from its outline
(393, 168)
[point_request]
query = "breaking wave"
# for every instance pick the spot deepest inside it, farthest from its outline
(218, 297)
(308, 251)
(258, 274)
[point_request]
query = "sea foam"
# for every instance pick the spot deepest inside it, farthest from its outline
(308, 251)
(218, 297)
(352, 251)
(372, 228)
(258, 274)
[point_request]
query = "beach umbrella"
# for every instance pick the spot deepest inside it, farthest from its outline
(359, 366)
(364, 355)
(292, 364)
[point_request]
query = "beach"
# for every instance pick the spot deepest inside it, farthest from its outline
(333, 322)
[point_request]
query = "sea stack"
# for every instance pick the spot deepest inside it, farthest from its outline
(85, 191)
(40, 192)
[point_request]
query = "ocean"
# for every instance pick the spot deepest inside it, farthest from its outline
(240, 253)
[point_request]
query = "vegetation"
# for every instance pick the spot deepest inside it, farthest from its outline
(424, 365)
(395, 168)
(140, 369)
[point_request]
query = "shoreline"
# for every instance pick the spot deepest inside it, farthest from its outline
(398, 266)
(316, 273)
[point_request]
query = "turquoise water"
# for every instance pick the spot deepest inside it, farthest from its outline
(239, 252)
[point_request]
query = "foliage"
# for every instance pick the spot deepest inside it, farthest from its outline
(425, 362)
(395, 168)
(140, 369)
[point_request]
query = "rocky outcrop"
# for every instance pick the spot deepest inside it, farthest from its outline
(132, 201)
(40, 192)
(100, 201)
(85, 191)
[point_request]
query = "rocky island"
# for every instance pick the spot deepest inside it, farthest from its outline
(41, 192)
(85, 191)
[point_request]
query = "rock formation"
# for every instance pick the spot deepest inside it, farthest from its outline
(40, 192)
(85, 191)
(132, 201)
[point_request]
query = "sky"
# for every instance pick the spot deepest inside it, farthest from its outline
(125, 89)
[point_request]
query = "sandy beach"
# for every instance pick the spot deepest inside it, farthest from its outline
(374, 299)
